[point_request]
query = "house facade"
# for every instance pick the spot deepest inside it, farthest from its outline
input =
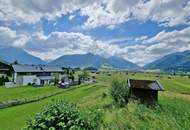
(35, 74)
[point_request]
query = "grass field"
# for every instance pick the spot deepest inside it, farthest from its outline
(24, 92)
(172, 111)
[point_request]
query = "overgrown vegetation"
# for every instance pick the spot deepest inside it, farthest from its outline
(120, 91)
(172, 111)
(61, 115)
(81, 77)
(3, 80)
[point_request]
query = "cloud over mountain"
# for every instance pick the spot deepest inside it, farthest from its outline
(172, 16)
(59, 43)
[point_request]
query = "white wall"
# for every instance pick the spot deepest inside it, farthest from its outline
(18, 80)
(14, 77)
(30, 79)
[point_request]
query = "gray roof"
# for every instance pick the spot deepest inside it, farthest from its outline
(145, 84)
(35, 68)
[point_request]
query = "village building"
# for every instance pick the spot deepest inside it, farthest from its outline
(145, 90)
(36, 74)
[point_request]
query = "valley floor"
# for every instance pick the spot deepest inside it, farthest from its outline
(172, 111)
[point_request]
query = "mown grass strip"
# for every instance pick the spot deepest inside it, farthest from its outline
(15, 102)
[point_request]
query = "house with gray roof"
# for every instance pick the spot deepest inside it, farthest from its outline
(35, 74)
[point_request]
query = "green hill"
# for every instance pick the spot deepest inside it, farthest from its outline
(179, 61)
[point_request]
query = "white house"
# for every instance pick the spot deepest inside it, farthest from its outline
(35, 74)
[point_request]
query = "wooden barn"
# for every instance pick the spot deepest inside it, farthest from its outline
(145, 90)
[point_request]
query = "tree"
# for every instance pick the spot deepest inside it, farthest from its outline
(72, 77)
(120, 91)
(73, 71)
(15, 62)
(1, 81)
(9, 72)
(6, 79)
(67, 71)
(85, 74)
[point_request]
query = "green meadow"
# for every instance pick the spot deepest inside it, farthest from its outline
(25, 92)
(172, 111)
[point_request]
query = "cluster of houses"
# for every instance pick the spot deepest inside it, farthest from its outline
(34, 74)
(145, 90)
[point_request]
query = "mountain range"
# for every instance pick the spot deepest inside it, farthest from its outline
(89, 59)
(11, 54)
(179, 61)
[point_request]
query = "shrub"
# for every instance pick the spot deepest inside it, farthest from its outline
(61, 115)
(72, 77)
(3, 80)
(120, 91)
(104, 95)
(6, 79)
(55, 81)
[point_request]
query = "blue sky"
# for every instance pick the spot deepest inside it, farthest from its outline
(137, 30)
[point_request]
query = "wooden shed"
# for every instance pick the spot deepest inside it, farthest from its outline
(145, 90)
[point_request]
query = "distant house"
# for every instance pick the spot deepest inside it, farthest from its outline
(145, 90)
(4, 67)
(35, 74)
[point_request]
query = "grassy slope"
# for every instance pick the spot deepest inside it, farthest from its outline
(168, 115)
(24, 92)
(19, 114)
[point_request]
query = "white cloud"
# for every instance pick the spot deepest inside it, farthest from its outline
(60, 43)
(31, 11)
(162, 44)
(9, 37)
(71, 17)
(108, 13)
(114, 12)
(165, 12)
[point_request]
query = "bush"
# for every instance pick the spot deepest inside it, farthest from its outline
(3, 80)
(60, 115)
(6, 79)
(104, 94)
(120, 91)
(72, 77)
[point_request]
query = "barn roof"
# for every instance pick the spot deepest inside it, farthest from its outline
(145, 84)
(35, 68)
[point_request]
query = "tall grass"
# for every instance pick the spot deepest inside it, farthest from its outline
(170, 113)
